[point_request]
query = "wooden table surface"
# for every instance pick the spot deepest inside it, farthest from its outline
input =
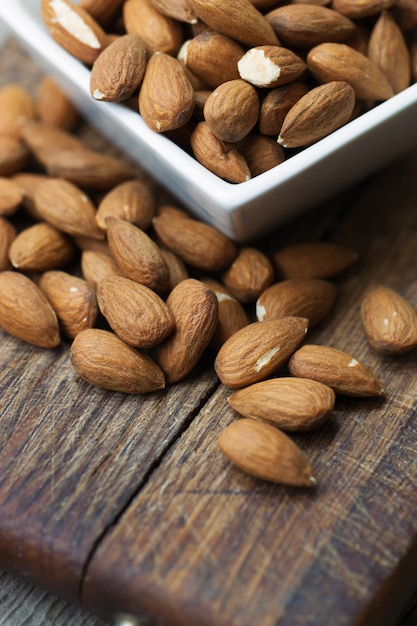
(125, 504)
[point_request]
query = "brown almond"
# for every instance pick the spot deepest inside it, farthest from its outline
(43, 139)
(256, 351)
(41, 247)
(358, 9)
(25, 312)
(7, 234)
(66, 207)
(132, 200)
(265, 452)
(249, 275)
(14, 155)
(219, 157)
(159, 32)
(318, 113)
(237, 19)
(232, 316)
(305, 25)
(102, 359)
(180, 10)
(97, 265)
(389, 320)
(134, 312)
(260, 153)
(317, 259)
(201, 50)
(232, 110)
(16, 108)
(53, 107)
(28, 183)
(10, 196)
(339, 62)
(103, 11)
(137, 255)
(303, 297)
(276, 104)
(196, 243)
(270, 66)
(194, 308)
(293, 404)
(335, 368)
(74, 29)
(72, 299)
(119, 69)
(176, 267)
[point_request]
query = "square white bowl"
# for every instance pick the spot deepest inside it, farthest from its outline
(246, 210)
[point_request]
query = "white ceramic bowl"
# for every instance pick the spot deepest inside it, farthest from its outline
(248, 209)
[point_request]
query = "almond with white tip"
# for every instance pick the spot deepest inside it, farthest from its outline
(270, 66)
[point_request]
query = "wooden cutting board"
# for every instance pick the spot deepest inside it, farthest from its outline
(125, 504)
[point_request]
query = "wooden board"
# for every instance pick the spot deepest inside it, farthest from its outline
(125, 504)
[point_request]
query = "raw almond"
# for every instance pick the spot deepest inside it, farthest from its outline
(304, 297)
(199, 52)
(41, 247)
(249, 275)
(119, 69)
(318, 113)
(28, 183)
(103, 11)
(137, 255)
(358, 9)
(74, 29)
(25, 312)
(337, 61)
(10, 196)
(294, 404)
(318, 259)
(176, 267)
(194, 308)
(16, 108)
(276, 104)
(165, 109)
(72, 299)
(335, 368)
(132, 200)
(134, 312)
(389, 320)
(232, 316)
(232, 110)
(260, 153)
(14, 155)
(196, 243)
(256, 351)
(97, 265)
(159, 32)
(7, 235)
(53, 107)
(102, 359)
(43, 140)
(265, 452)
(180, 10)
(270, 66)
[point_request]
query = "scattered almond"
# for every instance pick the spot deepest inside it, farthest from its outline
(249, 275)
(318, 259)
(132, 200)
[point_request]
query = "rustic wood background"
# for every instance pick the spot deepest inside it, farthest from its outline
(120, 503)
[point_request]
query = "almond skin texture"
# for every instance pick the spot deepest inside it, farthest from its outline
(276, 104)
(313, 260)
(165, 109)
(261, 153)
(196, 243)
(119, 69)
(132, 200)
(159, 32)
(389, 320)
(41, 247)
(357, 9)
(337, 61)
(293, 404)
(97, 265)
(256, 351)
(249, 275)
(194, 308)
(25, 312)
(265, 452)
(318, 113)
(270, 66)
(102, 359)
(200, 51)
(73, 300)
(232, 110)
(181, 10)
(135, 313)
(304, 297)
(335, 368)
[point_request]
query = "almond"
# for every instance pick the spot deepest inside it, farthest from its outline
(220, 157)
(53, 107)
(270, 66)
(66, 207)
(389, 320)
(41, 247)
(337, 61)
(134, 312)
(318, 113)
(25, 312)
(319, 259)
(201, 50)
(335, 368)
(176, 267)
(294, 404)
(97, 265)
(28, 183)
(249, 275)
(10, 196)
(132, 200)
(261, 153)
(74, 29)
(276, 104)
(303, 297)
(119, 69)
(232, 316)
(196, 243)
(14, 155)
(306, 25)
(256, 351)
(72, 299)
(43, 140)
(16, 108)
(265, 452)
(237, 19)
(194, 308)
(165, 109)
(137, 255)
(7, 235)
(180, 10)
(232, 110)
(159, 32)
(358, 9)
(103, 11)
(102, 359)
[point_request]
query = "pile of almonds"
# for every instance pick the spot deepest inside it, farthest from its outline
(241, 84)
(141, 292)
